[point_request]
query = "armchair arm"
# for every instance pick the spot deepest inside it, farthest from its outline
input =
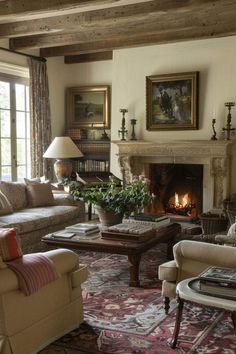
(204, 253)
(229, 240)
(168, 271)
(65, 261)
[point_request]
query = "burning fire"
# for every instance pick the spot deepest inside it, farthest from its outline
(181, 205)
(184, 203)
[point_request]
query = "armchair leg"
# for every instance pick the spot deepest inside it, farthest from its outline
(166, 304)
(233, 316)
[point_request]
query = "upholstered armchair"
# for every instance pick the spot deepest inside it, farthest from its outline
(29, 323)
(230, 238)
(190, 259)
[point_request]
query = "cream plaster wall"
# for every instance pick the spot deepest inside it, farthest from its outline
(11, 58)
(61, 76)
(213, 58)
(215, 61)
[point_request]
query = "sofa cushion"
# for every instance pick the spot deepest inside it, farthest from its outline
(5, 205)
(15, 193)
(32, 219)
(39, 194)
(9, 246)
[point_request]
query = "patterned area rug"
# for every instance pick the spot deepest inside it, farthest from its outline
(124, 320)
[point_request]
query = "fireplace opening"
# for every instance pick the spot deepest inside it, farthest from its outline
(178, 188)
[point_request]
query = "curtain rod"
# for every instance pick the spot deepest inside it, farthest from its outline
(24, 54)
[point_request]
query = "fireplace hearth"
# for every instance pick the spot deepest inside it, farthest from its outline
(178, 188)
(181, 206)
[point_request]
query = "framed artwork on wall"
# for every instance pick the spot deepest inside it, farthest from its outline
(88, 107)
(172, 101)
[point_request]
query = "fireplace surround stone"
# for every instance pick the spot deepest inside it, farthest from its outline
(217, 158)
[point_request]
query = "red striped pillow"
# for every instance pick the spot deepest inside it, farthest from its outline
(9, 245)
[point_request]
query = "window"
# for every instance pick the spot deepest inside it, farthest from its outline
(14, 128)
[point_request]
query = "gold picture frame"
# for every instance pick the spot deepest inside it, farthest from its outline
(88, 107)
(172, 101)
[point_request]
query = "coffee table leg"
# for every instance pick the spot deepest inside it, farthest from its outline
(177, 323)
(134, 269)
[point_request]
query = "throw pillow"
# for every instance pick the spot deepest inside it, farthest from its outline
(9, 245)
(39, 194)
(37, 180)
(32, 180)
(15, 193)
(5, 205)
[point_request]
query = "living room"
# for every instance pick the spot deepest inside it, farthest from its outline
(125, 73)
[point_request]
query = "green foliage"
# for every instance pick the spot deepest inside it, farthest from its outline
(126, 200)
(110, 196)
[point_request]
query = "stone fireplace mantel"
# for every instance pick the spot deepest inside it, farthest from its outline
(215, 156)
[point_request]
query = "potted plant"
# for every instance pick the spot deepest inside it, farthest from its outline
(113, 202)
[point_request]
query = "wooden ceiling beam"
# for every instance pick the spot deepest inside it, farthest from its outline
(17, 10)
(92, 19)
(193, 22)
(84, 58)
(141, 40)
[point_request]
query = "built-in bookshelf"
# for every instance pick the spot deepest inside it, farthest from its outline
(96, 157)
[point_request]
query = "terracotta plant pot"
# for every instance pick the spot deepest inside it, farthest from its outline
(108, 218)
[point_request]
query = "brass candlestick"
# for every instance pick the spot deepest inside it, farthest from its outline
(123, 131)
(228, 128)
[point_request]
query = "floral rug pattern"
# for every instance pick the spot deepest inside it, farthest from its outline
(124, 320)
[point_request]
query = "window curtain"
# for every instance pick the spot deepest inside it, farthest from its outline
(40, 129)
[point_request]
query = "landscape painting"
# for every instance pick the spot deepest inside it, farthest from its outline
(88, 107)
(172, 101)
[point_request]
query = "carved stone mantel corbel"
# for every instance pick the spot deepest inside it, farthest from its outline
(219, 169)
(130, 166)
(125, 167)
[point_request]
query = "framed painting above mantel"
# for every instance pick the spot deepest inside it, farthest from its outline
(88, 107)
(172, 101)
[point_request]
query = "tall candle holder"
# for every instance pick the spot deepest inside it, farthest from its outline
(228, 128)
(123, 131)
(214, 131)
(133, 123)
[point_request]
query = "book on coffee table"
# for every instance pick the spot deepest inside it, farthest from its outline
(83, 229)
(219, 275)
(153, 224)
(63, 234)
(129, 232)
(218, 281)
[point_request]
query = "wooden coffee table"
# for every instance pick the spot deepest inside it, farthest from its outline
(133, 250)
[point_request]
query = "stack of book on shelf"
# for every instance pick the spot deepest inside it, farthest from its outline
(218, 281)
(129, 232)
(76, 230)
(152, 220)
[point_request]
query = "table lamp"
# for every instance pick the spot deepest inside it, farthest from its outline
(62, 149)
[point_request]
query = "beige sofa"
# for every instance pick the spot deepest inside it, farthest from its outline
(32, 223)
(30, 323)
(190, 259)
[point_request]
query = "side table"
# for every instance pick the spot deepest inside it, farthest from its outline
(185, 292)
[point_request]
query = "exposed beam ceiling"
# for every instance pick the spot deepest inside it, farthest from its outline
(66, 27)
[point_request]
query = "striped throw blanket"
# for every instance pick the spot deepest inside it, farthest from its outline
(33, 272)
